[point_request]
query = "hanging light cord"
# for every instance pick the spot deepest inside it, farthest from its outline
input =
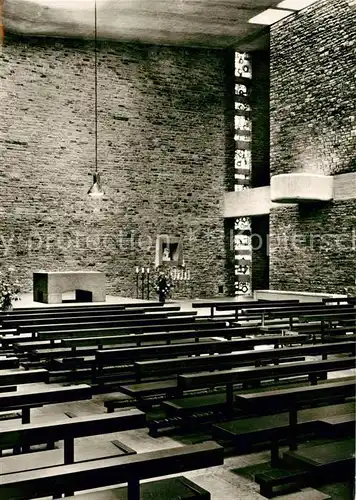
(2, 24)
(96, 87)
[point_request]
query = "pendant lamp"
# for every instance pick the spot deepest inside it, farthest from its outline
(96, 191)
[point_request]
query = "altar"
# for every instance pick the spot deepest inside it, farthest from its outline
(48, 287)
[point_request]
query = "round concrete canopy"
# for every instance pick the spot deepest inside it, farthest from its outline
(184, 22)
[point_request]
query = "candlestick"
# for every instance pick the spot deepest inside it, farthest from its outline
(143, 283)
(137, 278)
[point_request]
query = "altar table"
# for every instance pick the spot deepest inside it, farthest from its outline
(48, 287)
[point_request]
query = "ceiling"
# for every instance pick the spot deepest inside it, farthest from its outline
(208, 23)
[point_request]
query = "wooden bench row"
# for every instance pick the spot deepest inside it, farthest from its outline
(214, 304)
(229, 378)
(97, 311)
(22, 437)
(112, 357)
(67, 479)
(167, 367)
(125, 321)
(43, 395)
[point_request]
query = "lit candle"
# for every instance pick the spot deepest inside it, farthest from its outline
(143, 270)
(137, 270)
(148, 270)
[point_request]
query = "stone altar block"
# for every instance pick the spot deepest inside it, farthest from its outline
(48, 287)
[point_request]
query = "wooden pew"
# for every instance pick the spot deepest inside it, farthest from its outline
(216, 304)
(44, 346)
(300, 313)
(86, 307)
(155, 338)
(85, 316)
(55, 481)
(157, 323)
(131, 320)
(212, 304)
(88, 346)
(42, 396)
(255, 308)
(167, 367)
(8, 362)
(163, 327)
(246, 431)
(23, 377)
(20, 324)
(316, 329)
(292, 399)
(338, 425)
(339, 300)
(229, 378)
(169, 386)
(26, 435)
(329, 317)
(81, 311)
(110, 357)
(329, 462)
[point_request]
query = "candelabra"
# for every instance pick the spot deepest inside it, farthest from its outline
(180, 274)
(144, 281)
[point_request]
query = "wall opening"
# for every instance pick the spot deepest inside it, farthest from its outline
(260, 252)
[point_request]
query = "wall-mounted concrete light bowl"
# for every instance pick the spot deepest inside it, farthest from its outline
(301, 188)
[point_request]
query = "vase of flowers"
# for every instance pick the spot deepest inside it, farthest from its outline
(162, 286)
(9, 289)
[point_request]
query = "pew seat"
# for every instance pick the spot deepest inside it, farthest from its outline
(317, 464)
(51, 458)
(245, 432)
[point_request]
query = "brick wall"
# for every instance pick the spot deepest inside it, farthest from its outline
(313, 129)
(164, 147)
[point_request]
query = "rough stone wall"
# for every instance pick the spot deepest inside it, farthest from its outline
(163, 152)
(313, 129)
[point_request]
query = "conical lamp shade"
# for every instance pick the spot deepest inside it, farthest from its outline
(96, 191)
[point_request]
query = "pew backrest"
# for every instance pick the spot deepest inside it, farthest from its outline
(228, 377)
(164, 325)
(23, 376)
(230, 360)
(107, 356)
(31, 434)
(45, 395)
(284, 397)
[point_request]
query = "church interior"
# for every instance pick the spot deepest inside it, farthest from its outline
(177, 249)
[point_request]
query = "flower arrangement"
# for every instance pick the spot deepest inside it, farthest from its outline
(9, 289)
(162, 285)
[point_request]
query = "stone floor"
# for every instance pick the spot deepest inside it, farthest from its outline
(26, 300)
(220, 481)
